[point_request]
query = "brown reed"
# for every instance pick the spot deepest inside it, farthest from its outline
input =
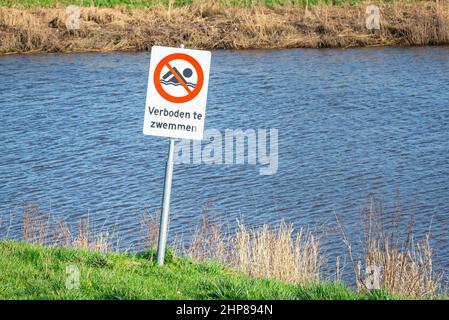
(208, 25)
(405, 265)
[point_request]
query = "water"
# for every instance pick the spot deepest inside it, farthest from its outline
(352, 123)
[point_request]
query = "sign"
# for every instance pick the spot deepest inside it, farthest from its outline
(177, 93)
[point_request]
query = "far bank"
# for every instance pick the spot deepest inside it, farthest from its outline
(213, 26)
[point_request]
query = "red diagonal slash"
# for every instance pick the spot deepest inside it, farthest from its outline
(178, 78)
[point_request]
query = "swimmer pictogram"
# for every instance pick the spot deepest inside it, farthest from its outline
(168, 78)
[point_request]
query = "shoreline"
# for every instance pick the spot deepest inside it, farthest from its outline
(33, 271)
(277, 252)
(211, 26)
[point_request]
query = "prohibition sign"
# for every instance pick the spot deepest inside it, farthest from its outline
(165, 62)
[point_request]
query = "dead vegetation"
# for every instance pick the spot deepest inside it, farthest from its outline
(405, 266)
(279, 253)
(276, 252)
(208, 25)
(40, 228)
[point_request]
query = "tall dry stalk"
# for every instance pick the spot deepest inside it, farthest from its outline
(264, 252)
(87, 239)
(35, 227)
(208, 241)
(149, 229)
(39, 228)
(277, 253)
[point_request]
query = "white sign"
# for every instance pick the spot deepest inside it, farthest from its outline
(177, 93)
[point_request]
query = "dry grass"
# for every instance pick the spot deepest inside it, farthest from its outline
(35, 228)
(406, 266)
(277, 253)
(406, 272)
(207, 25)
(39, 228)
(265, 252)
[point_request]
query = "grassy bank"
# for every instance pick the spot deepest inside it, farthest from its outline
(36, 272)
(27, 28)
(284, 255)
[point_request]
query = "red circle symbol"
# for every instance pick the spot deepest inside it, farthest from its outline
(165, 62)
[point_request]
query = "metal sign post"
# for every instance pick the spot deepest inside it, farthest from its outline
(163, 227)
(175, 108)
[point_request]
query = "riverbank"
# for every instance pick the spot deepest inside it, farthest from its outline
(278, 254)
(38, 272)
(207, 25)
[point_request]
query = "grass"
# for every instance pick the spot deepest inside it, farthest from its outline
(36, 272)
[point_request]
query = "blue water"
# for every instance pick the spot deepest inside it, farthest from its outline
(352, 124)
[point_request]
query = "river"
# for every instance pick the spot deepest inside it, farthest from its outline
(352, 124)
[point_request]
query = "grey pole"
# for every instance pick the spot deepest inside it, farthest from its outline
(163, 227)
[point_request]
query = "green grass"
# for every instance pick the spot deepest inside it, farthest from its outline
(36, 272)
